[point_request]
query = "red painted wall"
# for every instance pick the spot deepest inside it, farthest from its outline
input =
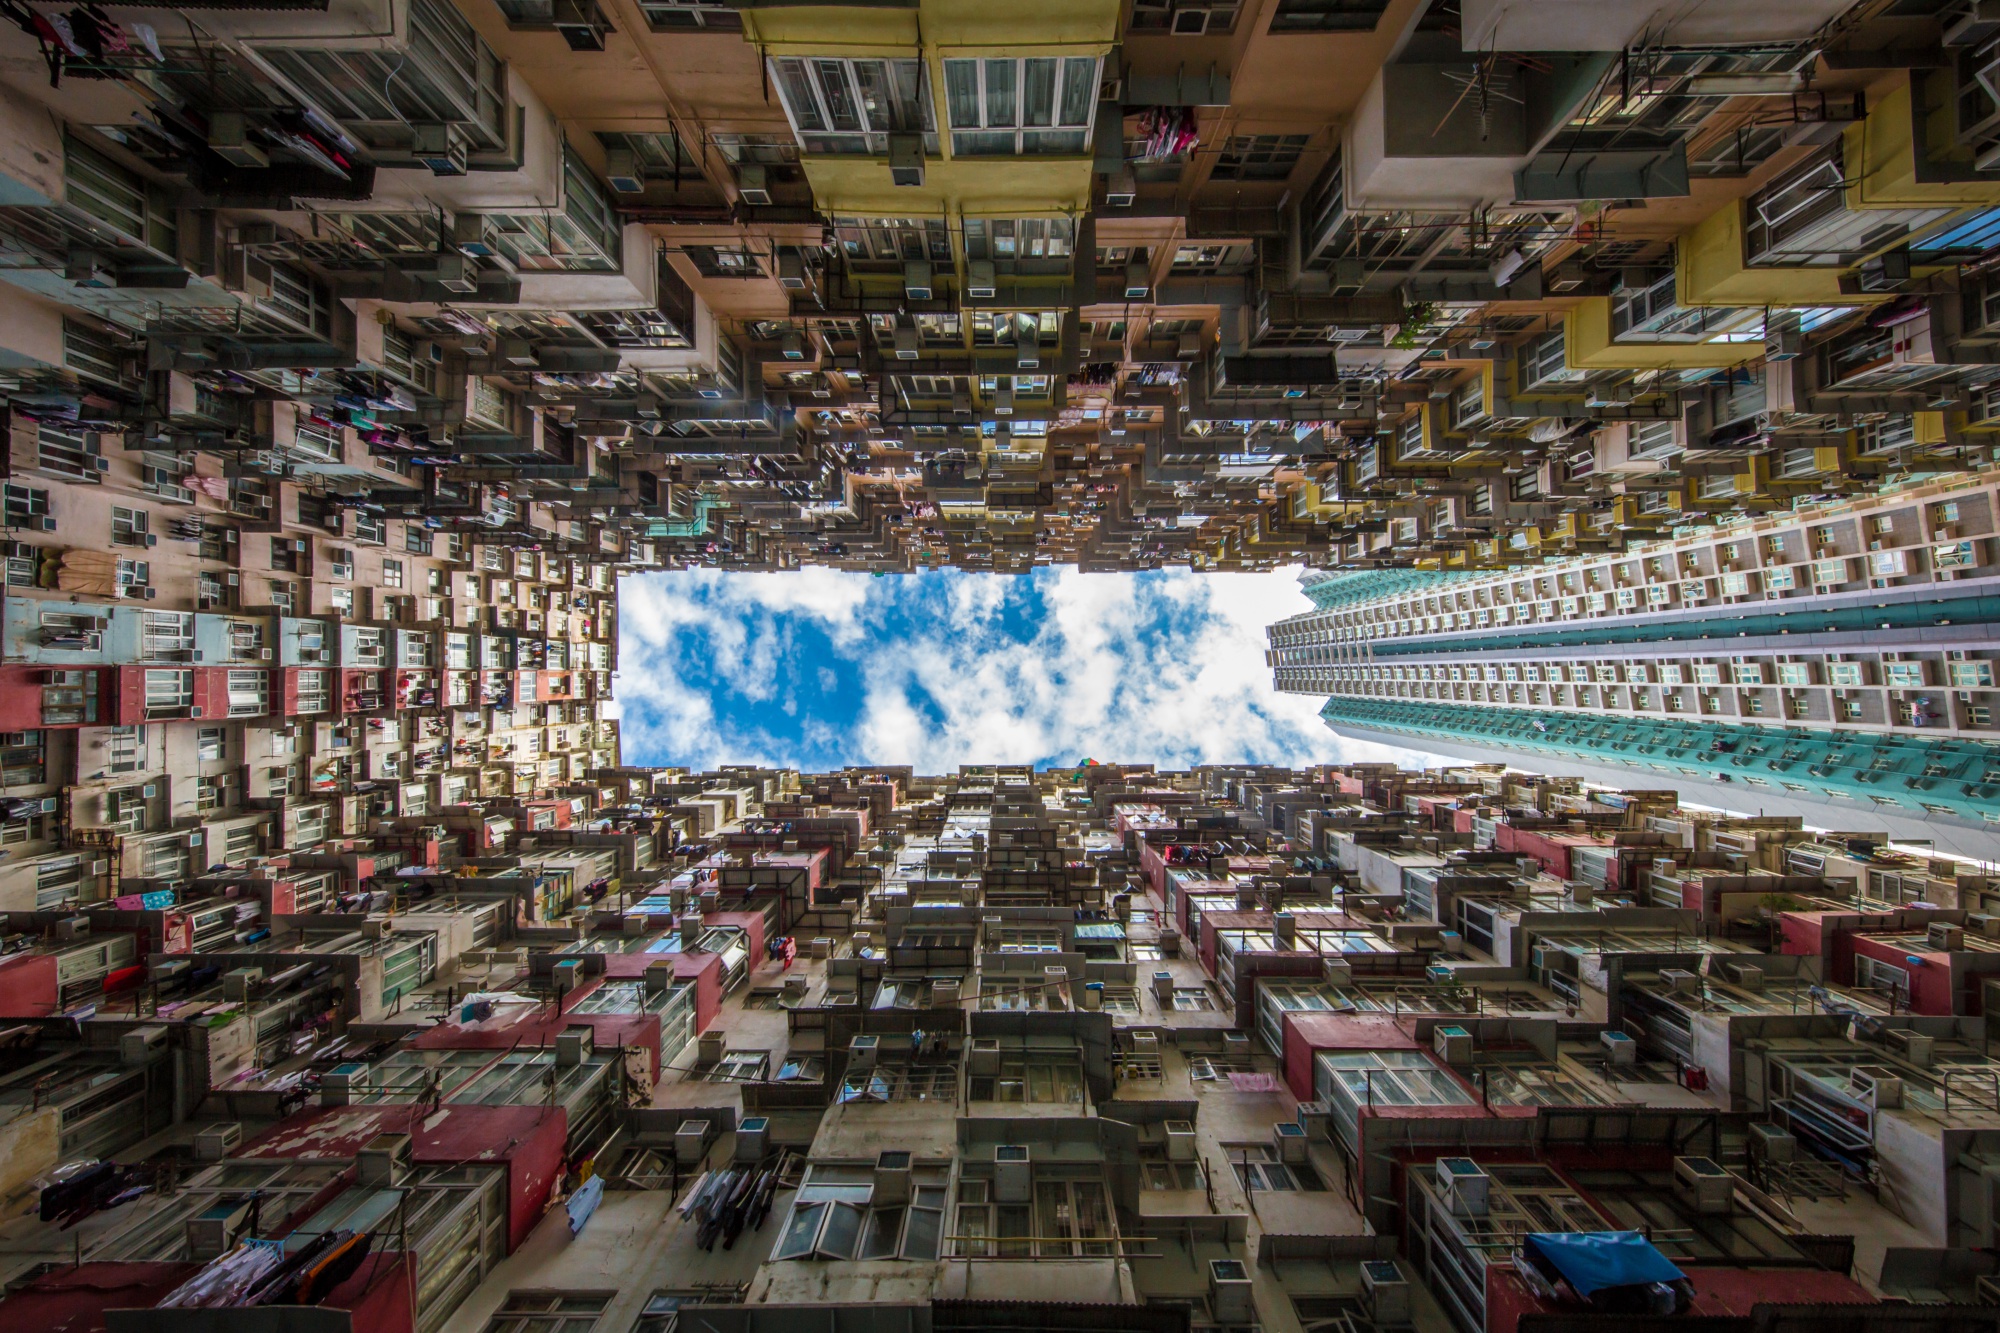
(28, 986)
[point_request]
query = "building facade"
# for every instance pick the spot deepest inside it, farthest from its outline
(1821, 653)
(1105, 1047)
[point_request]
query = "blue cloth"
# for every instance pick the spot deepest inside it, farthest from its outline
(584, 1202)
(1593, 1260)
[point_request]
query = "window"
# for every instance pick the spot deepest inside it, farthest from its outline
(1065, 1218)
(725, 261)
(310, 827)
(1043, 1078)
(392, 573)
(341, 600)
(211, 794)
(1258, 157)
(169, 693)
(1874, 974)
(249, 693)
(1258, 1168)
(370, 528)
(340, 562)
(832, 1219)
(1158, 1173)
(1328, 15)
(128, 526)
(125, 750)
(211, 744)
(549, 1312)
(1015, 107)
(901, 1081)
(840, 106)
(165, 633)
(125, 810)
(68, 453)
(314, 692)
(240, 844)
(134, 574)
(1193, 999)
(27, 507)
(416, 539)
(740, 1067)
(714, 15)
(1737, 152)
(164, 859)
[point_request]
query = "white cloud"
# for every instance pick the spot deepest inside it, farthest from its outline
(1164, 668)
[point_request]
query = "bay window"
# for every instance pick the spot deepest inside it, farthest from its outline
(850, 107)
(1016, 107)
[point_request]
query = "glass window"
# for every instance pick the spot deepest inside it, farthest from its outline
(1020, 107)
(840, 106)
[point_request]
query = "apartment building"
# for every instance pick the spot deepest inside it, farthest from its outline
(1220, 284)
(1090, 1048)
(1823, 653)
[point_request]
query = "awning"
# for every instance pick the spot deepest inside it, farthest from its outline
(1593, 1260)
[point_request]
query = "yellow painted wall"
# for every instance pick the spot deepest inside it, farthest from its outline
(1880, 156)
(1587, 345)
(28, 1147)
(1709, 270)
(980, 187)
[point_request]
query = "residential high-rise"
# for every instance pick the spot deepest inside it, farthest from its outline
(1070, 1049)
(1838, 652)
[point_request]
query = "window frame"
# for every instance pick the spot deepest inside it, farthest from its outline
(987, 100)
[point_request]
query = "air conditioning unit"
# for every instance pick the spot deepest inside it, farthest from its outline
(1121, 188)
(240, 983)
(1316, 1119)
(906, 159)
(229, 139)
(1463, 1186)
(1704, 1186)
(1180, 1140)
(624, 172)
(1747, 976)
(1620, 1051)
(981, 284)
(573, 1046)
(1013, 1174)
(439, 148)
(1772, 1144)
(982, 1057)
(1337, 972)
(1679, 981)
(891, 1182)
(1289, 1138)
(753, 183)
(212, 1232)
(1453, 1044)
(791, 270)
(1385, 1293)
(1138, 281)
(337, 1086)
(944, 993)
(1943, 937)
(691, 1142)
(753, 1138)
(1229, 1292)
(1914, 1047)
(582, 24)
(1881, 1089)
(212, 1143)
(137, 1046)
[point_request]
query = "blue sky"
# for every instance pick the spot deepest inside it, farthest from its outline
(819, 668)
